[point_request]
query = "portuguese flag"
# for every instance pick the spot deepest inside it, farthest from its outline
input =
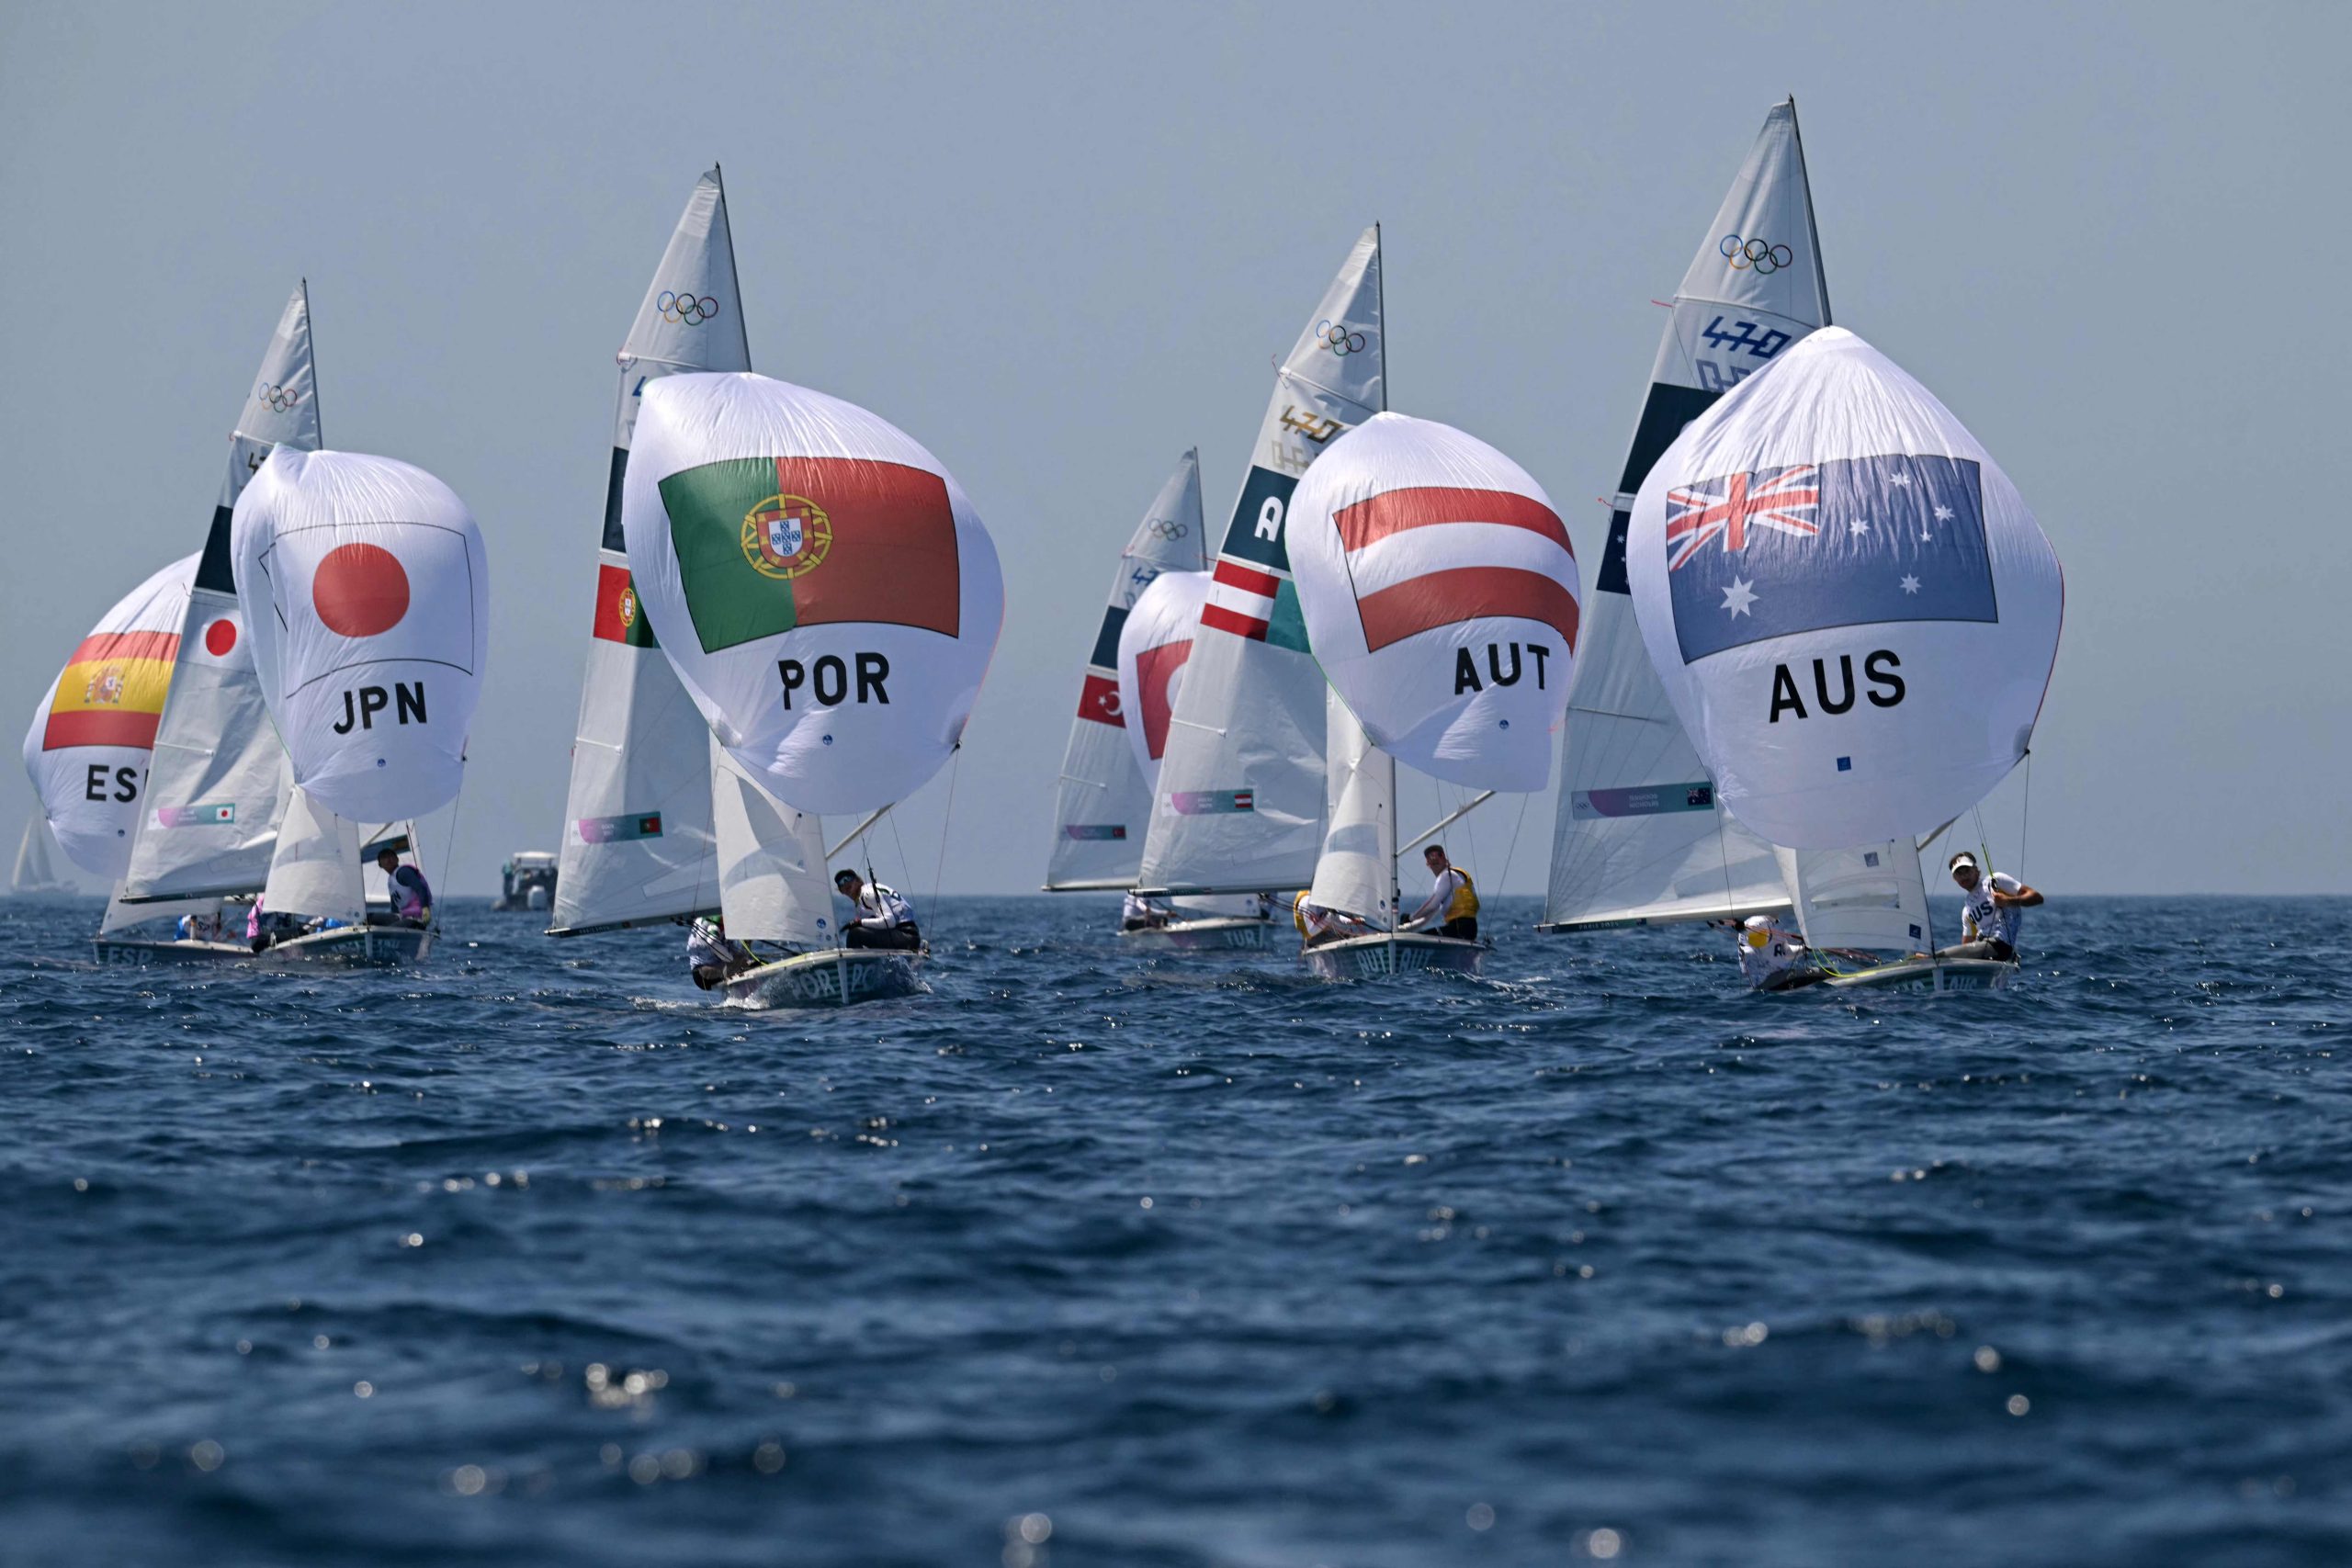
(112, 690)
(621, 616)
(768, 543)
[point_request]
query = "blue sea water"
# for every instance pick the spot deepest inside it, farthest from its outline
(535, 1256)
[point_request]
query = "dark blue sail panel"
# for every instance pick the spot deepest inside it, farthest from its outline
(1848, 542)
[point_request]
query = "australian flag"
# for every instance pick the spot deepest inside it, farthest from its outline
(1842, 543)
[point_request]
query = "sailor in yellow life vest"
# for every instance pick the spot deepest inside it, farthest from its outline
(1317, 925)
(1450, 896)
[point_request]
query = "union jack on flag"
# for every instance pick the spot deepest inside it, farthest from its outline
(1697, 513)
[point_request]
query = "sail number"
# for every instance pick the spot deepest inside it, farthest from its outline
(372, 700)
(828, 678)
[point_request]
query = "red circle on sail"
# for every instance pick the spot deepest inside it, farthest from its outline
(219, 637)
(360, 589)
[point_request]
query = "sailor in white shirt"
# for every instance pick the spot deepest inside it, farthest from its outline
(1771, 959)
(1138, 914)
(1990, 913)
(883, 918)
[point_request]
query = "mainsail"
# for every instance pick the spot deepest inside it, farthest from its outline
(1239, 805)
(35, 871)
(638, 838)
(218, 782)
(1640, 837)
(1103, 804)
(772, 882)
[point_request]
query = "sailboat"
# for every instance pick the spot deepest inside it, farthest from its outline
(1239, 805)
(829, 599)
(1641, 837)
(219, 782)
(1439, 587)
(1852, 610)
(1103, 799)
(640, 842)
(36, 873)
(365, 589)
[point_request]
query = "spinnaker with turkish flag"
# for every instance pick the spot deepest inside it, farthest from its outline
(366, 591)
(95, 728)
(1154, 646)
(824, 590)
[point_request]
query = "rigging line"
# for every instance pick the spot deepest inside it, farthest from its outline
(2025, 821)
(1513, 850)
(947, 819)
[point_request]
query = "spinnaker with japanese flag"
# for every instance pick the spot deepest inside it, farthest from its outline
(366, 591)
(218, 784)
(93, 729)
(1852, 609)
(1239, 804)
(822, 585)
(1104, 803)
(638, 842)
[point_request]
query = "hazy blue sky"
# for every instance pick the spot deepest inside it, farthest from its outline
(1060, 245)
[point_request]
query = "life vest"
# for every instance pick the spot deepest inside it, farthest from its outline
(1464, 905)
(1299, 913)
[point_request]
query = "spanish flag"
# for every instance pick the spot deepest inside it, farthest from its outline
(112, 690)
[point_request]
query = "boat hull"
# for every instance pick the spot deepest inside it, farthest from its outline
(381, 947)
(1936, 975)
(1367, 957)
(832, 978)
(129, 950)
(1222, 933)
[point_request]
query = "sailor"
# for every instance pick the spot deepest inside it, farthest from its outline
(412, 894)
(713, 957)
(185, 929)
(1990, 911)
(1317, 925)
(1265, 910)
(1451, 897)
(884, 919)
(1139, 914)
(1771, 959)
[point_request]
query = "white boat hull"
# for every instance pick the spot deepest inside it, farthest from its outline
(832, 978)
(131, 950)
(1937, 974)
(377, 946)
(1221, 933)
(1366, 957)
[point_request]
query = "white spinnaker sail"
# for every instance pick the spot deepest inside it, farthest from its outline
(637, 842)
(1851, 608)
(1874, 899)
(217, 782)
(1439, 589)
(1356, 872)
(87, 749)
(1639, 836)
(1239, 805)
(366, 591)
(826, 591)
(772, 884)
(316, 870)
(1104, 804)
(1155, 646)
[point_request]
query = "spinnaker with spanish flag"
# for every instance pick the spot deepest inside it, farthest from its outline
(95, 728)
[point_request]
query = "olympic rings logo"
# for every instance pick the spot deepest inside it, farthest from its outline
(694, 310)
(1335, 336)
(1164, 528)
(1766, 258)
(275, 398)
